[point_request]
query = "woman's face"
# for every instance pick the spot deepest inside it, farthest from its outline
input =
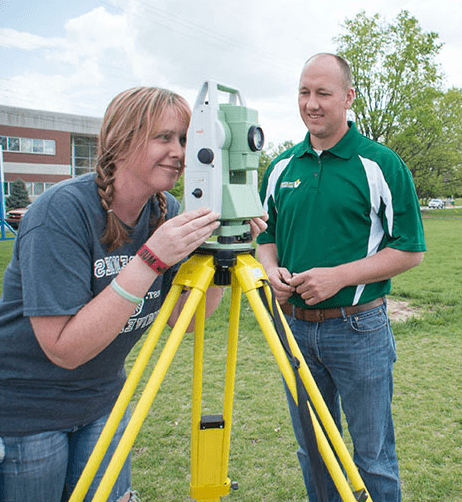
(162, 163)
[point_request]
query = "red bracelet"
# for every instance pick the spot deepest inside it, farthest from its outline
(152, 260)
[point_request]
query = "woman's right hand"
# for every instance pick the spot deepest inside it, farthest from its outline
(179, 236)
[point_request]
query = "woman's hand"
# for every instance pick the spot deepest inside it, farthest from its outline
(181, 235)
(258, 225)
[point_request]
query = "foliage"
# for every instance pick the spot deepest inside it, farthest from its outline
(392, 65)
(18, 197)
(430, 144)
(400, 100)
(178, 190)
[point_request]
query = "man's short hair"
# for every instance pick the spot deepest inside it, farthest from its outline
(344, 67)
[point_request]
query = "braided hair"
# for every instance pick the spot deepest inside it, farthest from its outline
(128, 125)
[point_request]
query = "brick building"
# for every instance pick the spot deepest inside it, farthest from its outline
(42, 148)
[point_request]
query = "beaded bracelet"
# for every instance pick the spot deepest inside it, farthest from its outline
(152, 260)
(124, 294)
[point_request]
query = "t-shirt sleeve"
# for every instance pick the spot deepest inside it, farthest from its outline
(55, 261)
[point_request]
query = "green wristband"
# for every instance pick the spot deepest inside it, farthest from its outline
(124, 294)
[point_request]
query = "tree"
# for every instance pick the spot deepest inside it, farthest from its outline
(399, 97)
(392, 65)
(431, 145)
(18, 197)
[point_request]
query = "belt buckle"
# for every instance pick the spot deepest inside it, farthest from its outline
(320, 315)
(316, 314)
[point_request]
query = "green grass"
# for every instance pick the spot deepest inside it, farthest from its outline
(447, 212)
(427, 405)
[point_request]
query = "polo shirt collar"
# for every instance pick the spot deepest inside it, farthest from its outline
(343, 149)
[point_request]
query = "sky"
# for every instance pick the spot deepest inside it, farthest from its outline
(75, 56)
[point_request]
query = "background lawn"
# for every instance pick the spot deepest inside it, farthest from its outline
(427, 405)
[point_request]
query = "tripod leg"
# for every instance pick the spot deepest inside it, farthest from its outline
(210, 437)
(249, 272)
(125, 395)
(326, 417)
(197, 271)
(147, 397)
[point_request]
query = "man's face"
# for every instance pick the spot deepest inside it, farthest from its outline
(323, 101)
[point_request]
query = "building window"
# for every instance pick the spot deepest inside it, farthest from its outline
(49, 147)
(28, 145)
(14, 144)
(83, 155)
(35, 188)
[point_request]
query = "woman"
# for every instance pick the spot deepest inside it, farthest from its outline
(92, 263)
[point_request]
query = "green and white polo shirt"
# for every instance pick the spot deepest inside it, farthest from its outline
(348, 203)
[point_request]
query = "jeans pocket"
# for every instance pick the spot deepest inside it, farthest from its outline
(369, 320)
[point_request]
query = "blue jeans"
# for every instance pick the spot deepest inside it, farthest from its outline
(46, 467)
(351, 359)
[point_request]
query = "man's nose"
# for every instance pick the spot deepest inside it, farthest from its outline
(312, 102)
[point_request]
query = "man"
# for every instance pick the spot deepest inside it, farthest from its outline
(343, 219)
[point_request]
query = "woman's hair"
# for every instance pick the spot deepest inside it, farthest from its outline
(130, 122)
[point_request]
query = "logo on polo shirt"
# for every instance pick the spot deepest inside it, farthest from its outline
(290, 184)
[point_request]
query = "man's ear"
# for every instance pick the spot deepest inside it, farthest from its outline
(349, 98)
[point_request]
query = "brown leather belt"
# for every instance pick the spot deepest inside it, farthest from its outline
(319, 315)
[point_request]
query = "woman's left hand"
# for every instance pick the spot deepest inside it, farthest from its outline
(258, 225)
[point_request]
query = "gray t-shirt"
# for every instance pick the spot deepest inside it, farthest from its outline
(58, 266)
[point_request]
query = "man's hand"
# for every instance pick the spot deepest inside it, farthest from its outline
(280, 281)
(317, 284)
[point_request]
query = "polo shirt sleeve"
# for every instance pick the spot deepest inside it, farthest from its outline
(401, 218)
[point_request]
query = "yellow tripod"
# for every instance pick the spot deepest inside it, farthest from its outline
(210, 436)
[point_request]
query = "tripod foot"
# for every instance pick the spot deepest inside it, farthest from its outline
(361, 495)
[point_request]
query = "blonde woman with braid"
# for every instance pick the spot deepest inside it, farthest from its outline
(92, 263)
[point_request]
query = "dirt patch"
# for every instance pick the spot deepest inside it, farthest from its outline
(399, 310)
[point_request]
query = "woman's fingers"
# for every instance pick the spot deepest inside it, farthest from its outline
(181, 235)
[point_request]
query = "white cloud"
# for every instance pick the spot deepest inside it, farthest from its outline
(98, 31)
(93, 59)
(258, 47)
(12, 39)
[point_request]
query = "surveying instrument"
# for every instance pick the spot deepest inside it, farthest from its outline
(223, 149)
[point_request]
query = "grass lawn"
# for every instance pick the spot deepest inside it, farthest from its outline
(427, 405)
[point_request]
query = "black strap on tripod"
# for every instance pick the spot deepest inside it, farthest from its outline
(311, 445)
